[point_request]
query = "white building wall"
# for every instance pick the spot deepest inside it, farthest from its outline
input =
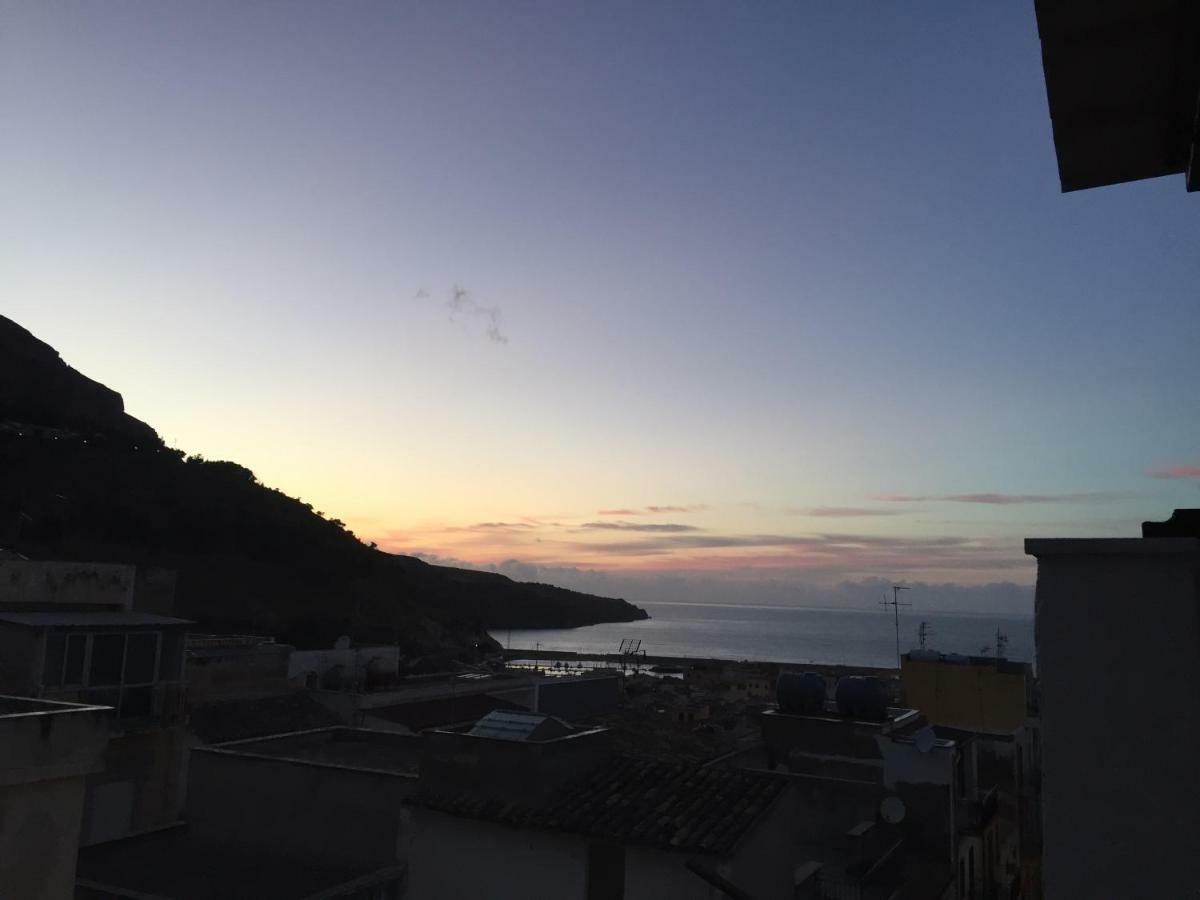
(1118, 655)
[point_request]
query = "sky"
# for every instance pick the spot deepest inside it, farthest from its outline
(747, 300)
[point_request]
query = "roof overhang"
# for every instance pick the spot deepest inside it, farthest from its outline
(1123, 85)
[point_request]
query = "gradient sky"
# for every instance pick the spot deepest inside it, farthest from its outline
(696, 287)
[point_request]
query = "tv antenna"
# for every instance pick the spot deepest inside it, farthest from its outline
(924, 632)
(895, 604)
(1001, 644)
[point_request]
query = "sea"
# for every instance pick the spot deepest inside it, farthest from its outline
(844, 636)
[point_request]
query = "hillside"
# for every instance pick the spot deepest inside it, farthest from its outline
(82, 480)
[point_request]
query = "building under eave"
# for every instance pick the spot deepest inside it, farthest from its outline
(1123, 83)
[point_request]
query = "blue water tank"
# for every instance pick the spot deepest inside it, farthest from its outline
(800, 692)
(861, 697)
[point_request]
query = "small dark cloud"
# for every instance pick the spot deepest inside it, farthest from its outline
(993, 499)
(653, 510)
(842, 512)
(491, 526)
(463, 306)
(652, 527)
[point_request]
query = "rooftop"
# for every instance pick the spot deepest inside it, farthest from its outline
(234, 720)
(87, 619)
(452, 710)
(346, 748)
(510, 725)
(669, 806)
(180, 863)
(1000, 664)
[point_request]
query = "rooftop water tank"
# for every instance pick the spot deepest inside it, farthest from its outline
(861, 697)
(800, 692)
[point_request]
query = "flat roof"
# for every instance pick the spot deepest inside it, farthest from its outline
(181, 863)
(1111, 546)
(85, 619)
(1122, 78)
(364, 749)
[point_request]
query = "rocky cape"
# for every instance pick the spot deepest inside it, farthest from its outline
(80, 479)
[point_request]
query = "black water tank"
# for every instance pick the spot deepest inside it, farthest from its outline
(800, 692)
(861, 697)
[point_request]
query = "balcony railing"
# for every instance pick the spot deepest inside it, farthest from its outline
(159, 704)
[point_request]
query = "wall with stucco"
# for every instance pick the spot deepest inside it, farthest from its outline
(141, 787)
(46, 751)
(52, 583)
(1118, 656)
(39, 838)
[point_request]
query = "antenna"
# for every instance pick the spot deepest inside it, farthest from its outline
(924, 633)
(1001, 644)
(895, 604)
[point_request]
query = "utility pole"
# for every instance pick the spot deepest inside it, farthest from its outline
(895, 604)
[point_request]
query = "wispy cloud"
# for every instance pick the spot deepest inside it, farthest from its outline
(653, 510)
(1001, 499)
(1185, 471)
(842, 512)
(463, 306)
(653, 527)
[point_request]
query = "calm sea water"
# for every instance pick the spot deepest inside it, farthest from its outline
(857, 637)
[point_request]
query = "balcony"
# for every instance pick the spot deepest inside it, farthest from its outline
(134, 707)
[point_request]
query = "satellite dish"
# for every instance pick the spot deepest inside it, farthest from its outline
(924, 739)
(892, 810)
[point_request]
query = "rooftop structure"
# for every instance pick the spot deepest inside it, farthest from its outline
(985, 694)
(1122, 81)
(303, 815)
(72, 632)
(47, 750)
(352, 748)
(520, 726)
(182, 863)
(532, 800)
(1118, 655)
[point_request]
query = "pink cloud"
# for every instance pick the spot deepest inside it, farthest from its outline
(1177, 472)
(1000, 499)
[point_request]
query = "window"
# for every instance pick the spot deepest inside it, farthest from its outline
(56, 652)
(76, 652)
(141, 656)
(65, 654)
(121, 669)
(108, 656)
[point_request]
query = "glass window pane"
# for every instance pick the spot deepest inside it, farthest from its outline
(56, 648)
(171, 656)
(108, 652)
(76, 650)
(137, 702)
(140, 657)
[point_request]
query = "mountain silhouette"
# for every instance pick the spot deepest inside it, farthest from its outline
(80, 479)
